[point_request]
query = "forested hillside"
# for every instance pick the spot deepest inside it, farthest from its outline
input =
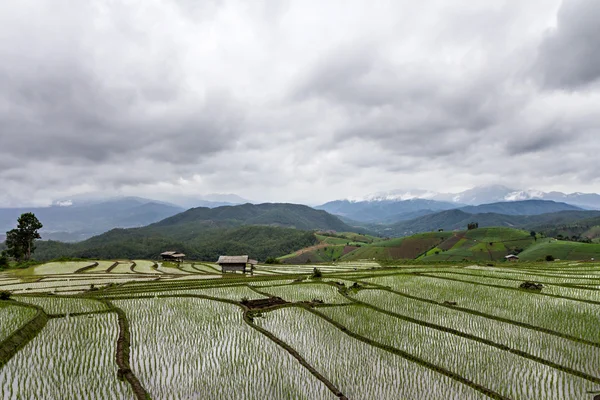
(259, 242)
(261, 231)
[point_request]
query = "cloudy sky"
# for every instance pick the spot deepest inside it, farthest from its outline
(302, 101)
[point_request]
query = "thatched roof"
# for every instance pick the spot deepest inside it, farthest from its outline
(232, 260)
(168, 253)
(178, 255)
(511, 256)
(252, 262)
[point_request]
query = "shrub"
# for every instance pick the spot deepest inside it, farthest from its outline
(549, 258)
(4, 295)
(272, 260)
(3, 260)
(317, 273)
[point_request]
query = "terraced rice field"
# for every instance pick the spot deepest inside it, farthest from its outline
(102, 266)
(357, 333)
(60, 267)
(145, 267)
(13, 317)
(71, 358)
(122, 268)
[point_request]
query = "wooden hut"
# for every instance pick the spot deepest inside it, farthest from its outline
(172, 256)
(511, 258)
(233, 263)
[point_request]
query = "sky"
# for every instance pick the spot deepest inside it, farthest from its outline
(298, 101)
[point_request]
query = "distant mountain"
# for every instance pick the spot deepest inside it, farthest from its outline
(261, 230)
(274, 214)
(488, 194)
(78, 222)
(382, 210)
(182, 201)
(210, 200)
(524, 207)
(483, 195)
(497, 193)
(585, 200)
(386, 211)
(458, 219)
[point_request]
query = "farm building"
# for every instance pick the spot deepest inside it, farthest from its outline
(235, 263)
(511, 258)
(172, 256)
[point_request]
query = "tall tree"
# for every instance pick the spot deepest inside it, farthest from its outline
(20, 241)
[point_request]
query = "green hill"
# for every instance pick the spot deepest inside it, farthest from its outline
(562, 250)
(259, 242)
(331, 247)
(400, 248)
(263, 230)
(458, 220)
(587, 228)
(482, 244)
(523, 207)
(273, 214)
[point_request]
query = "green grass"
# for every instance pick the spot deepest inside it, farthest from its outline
(562, 250)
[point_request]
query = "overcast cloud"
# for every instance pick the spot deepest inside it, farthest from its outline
(300, 101)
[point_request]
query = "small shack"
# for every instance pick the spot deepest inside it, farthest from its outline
(511, 258)
(235, 263)
(172, 256)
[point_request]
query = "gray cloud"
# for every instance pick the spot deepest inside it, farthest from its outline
(547, 138)
(569, 57)
(298, 101)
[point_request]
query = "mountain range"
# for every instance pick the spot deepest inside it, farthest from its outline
(71, 222)
(80, 217)
(486, 194)
(262, 230)
(459, 219)
(399, 205)
(273, 229)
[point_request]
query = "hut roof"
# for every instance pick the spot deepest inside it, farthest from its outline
(511, 256)
(178, 255)
(253, 262)
(232, 260)
(168, 253)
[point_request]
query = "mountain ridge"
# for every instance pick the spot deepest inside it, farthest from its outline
(485, 194)
(205, 232)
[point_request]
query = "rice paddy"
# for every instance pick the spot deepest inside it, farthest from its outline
(13, 317)
(71, 358)
(359, 332)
